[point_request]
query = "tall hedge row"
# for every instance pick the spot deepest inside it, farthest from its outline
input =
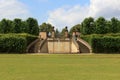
(12, 44)
(109, 43)
(15, 43)
(106, 44)
(30, 38)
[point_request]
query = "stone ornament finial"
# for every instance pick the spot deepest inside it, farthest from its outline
(66, 32)
(66, 28)
(53, 32)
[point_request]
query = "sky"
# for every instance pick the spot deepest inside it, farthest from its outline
(59, 13)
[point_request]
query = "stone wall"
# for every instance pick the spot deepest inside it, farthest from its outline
(61, 46)
(43, 46)
(74, 48)
(43, 35)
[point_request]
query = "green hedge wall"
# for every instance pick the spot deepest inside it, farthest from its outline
(15, 43)
(108, 43)
(12, 44)
(30, 38)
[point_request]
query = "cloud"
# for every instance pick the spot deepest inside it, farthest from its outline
(69, 16)
(12, 9)
(106, 8)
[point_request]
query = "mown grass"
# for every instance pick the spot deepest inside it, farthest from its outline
(59, 67)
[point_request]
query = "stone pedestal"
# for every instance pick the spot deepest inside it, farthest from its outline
(43, 35)
(53, 33)
(66, 32)
(74, 34)
(77, 34)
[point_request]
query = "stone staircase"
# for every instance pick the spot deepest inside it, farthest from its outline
(38, 46)
(72, 46)
(43, 46)
(84, 46)
(31, 47)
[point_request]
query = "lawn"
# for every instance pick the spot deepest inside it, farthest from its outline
(59, 67)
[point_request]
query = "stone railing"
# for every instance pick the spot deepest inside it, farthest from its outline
(33, 43)
(42, 43)
(85, 43)
(76, 44)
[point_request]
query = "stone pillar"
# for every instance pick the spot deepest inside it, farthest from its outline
(74, 33)
(43, 35)
(66, 32)
(53, 33)
(78, 34)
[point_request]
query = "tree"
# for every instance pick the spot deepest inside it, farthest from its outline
(114, 28)
(32, 26)
(119, 27)
(24, 27)
(75, 28)
(17, 23)
(5, 26)
(101, 27)
(57, 33)
(108, 26)
(88, 26)
(46, 27)
(63, 32)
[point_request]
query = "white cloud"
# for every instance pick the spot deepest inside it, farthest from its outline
(67, 16)
(106, 8)
(12, 9)
(73, 15)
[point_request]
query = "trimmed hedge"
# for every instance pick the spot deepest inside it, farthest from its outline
(12, 44)
(30, 38)
(15, 43)
(109, 43)
(106, 44)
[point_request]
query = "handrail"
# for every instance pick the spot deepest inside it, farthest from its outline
(32, 44)
(76, 44)
(41, 44)
(85, 43)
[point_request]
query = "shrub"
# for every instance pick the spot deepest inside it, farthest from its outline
(30, 38)
(15, 43)
(12, 44)
(107, 43)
